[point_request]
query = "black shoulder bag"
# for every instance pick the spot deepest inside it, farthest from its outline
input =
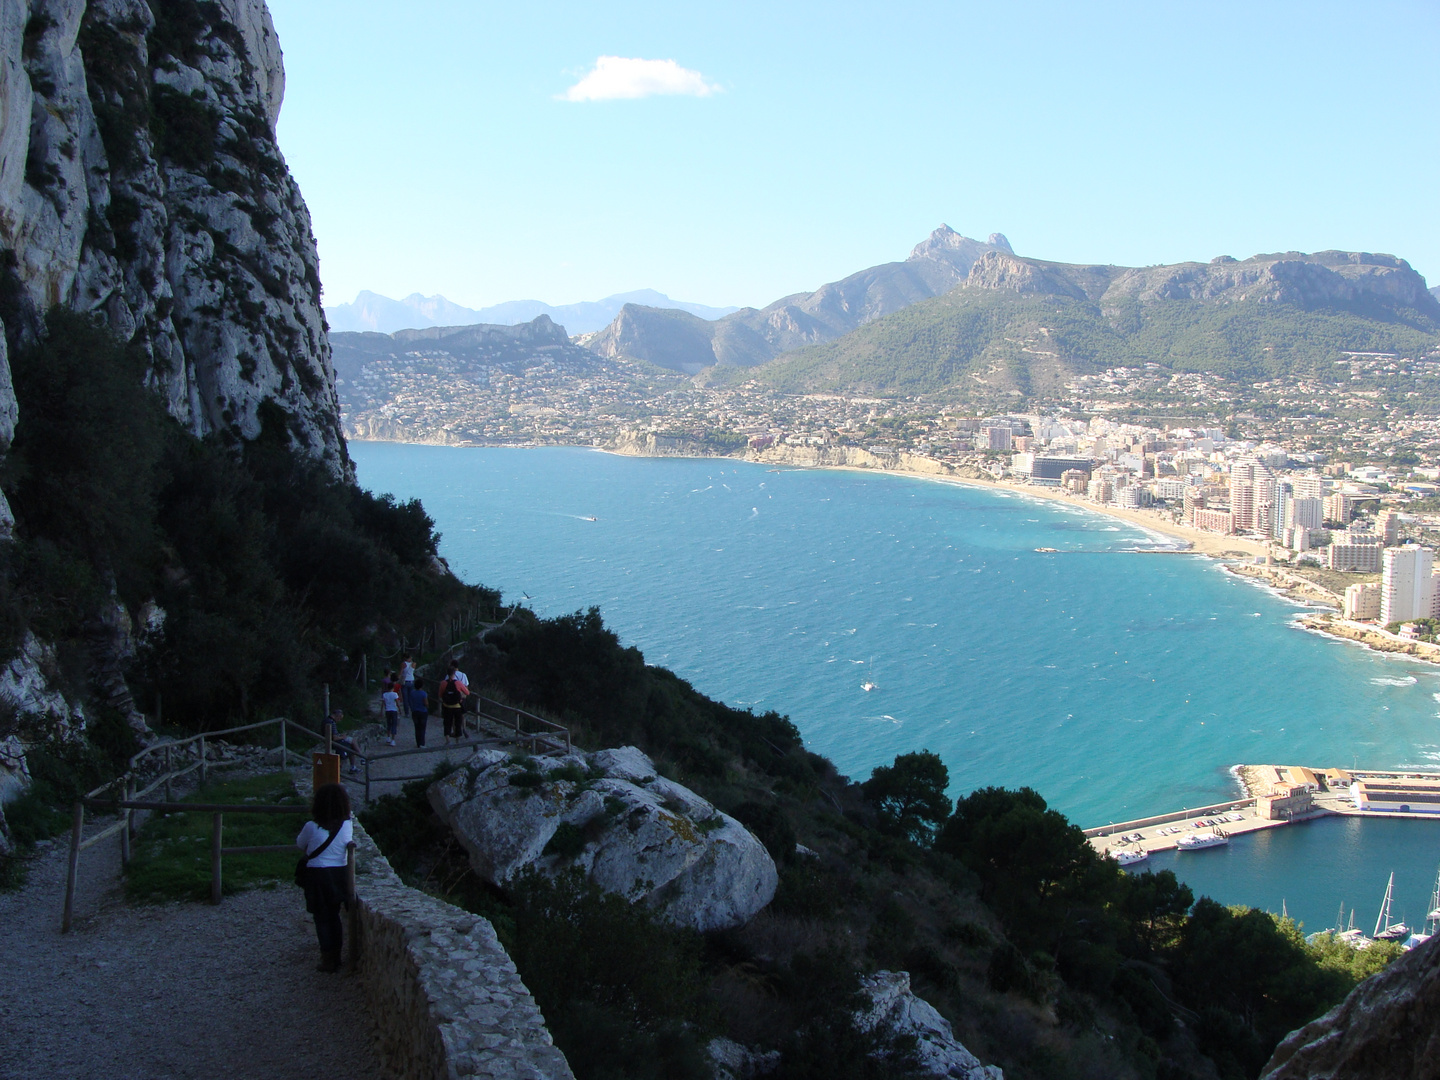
(300, 867)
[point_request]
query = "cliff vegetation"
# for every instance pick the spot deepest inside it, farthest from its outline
(1049, 960)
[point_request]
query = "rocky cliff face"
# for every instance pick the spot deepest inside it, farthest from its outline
(682, 342)
(1388, 1027)
(140, 181)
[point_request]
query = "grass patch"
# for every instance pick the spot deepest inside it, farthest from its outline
(171, 859)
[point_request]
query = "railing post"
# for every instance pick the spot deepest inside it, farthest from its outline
(72, 874)
(129, 817)
(284, 759)
(202, 760)
(167, 772)
(216, 825)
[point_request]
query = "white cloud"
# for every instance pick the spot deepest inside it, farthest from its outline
(618, 77)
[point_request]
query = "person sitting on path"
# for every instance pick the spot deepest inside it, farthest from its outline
(327, 886)
(452, 705)
(342, 745)
(418, 702)
(390, 702)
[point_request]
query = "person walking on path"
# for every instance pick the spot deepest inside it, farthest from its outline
(418, 704)
(407, 681)
(390, 702)
(327, 887)
(453, 693)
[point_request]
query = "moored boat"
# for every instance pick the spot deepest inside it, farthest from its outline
(1198, 840)
(1385, 930)
(1130, 858)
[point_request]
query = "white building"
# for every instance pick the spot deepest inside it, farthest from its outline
(1355, 554)
(1305, 511)
(1362, 601)
(1407, 589)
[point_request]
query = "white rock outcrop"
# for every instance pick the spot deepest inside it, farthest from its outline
(896, 1008)
(631, 831)
(140, 181)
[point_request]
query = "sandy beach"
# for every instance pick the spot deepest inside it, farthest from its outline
(854, 460)
(1201, 542)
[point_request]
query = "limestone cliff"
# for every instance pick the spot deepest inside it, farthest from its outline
(140, 180)
(1389, 1027)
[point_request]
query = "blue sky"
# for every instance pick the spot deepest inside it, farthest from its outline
(438, 151)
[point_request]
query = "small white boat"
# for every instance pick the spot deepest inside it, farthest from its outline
(1130, 858)
(1196, 841)
(868, 686)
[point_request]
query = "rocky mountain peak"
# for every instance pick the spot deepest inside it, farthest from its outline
(947, 246)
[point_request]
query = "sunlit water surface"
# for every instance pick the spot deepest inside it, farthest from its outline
(1116, 684)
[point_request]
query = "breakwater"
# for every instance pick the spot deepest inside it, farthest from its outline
(1279, 795)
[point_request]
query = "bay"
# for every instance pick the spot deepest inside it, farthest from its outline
(1115, 683)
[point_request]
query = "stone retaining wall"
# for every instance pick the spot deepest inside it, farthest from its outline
(445, 995)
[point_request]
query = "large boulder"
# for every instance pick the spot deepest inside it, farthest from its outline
(1387, 1028)
(895, 1008)
(609, 813)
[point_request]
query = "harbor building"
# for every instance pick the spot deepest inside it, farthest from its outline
(1285, 801)
(1362, 601)
(1407, 589)
(1395, 794)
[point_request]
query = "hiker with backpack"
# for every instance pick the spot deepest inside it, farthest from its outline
(454, 689)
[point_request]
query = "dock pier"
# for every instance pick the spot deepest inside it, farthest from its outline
(1282, 795)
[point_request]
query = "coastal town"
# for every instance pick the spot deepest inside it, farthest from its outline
(1328, 489)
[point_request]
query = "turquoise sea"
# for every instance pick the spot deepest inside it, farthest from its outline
(1116, 683)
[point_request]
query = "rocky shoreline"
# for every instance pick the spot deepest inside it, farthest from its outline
(1370, 637)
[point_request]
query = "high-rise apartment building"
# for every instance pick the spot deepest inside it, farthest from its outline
(1407, 587)
(1242, 504)
(1306, 511)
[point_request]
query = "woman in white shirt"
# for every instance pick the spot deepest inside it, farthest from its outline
(327, 889)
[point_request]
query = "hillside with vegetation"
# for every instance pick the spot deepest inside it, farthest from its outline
(1022, 328)
(1049, 960)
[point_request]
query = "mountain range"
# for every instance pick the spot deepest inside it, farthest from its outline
(1019, 326)
(380, 314)
(747, 337)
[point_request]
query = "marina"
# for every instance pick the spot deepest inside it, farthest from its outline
(1281, 795)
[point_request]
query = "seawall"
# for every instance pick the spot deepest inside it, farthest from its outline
(446, 997)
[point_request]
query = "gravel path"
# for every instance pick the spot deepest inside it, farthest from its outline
(171, 991)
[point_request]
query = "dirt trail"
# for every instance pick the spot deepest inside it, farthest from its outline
(171, 991)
